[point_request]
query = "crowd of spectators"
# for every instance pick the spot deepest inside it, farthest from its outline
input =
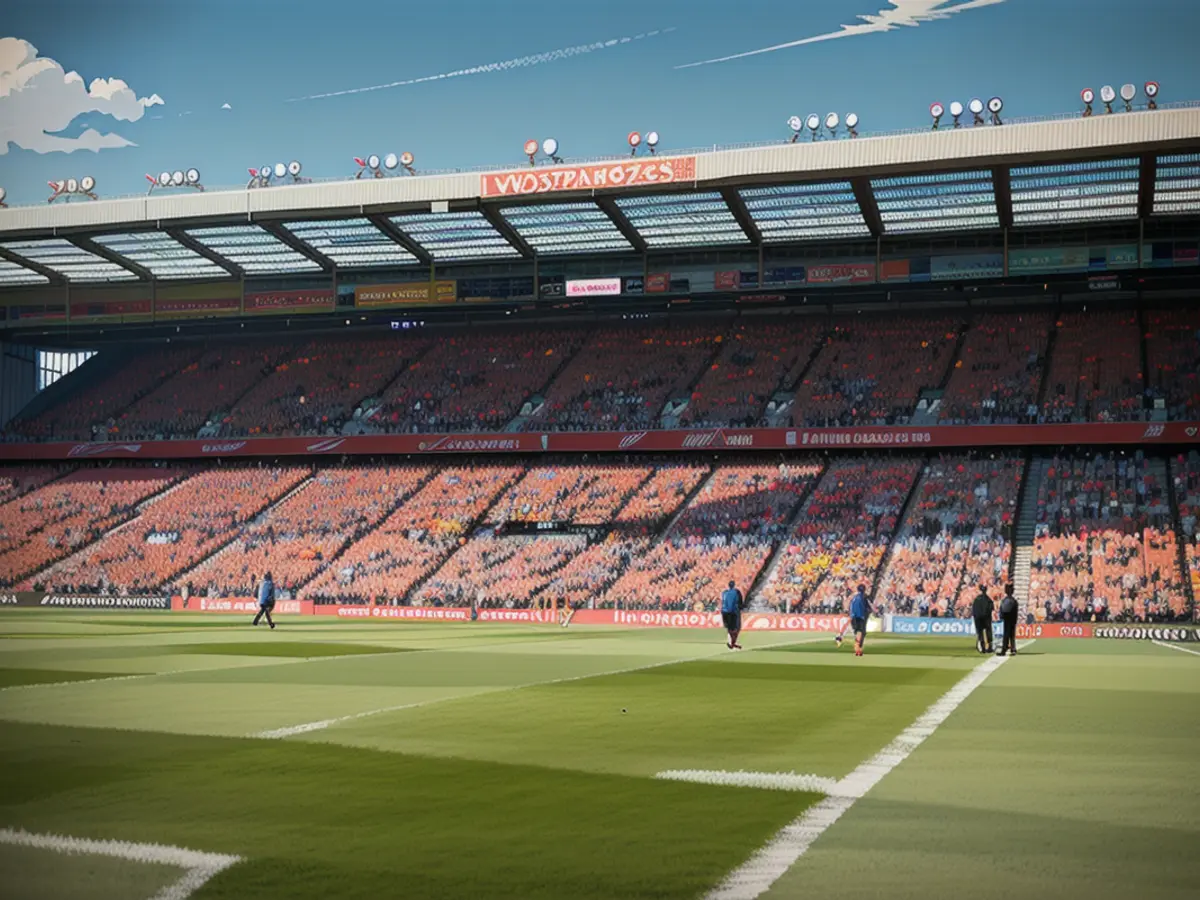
(872, 373)
(623, 377)
(1186, 471)
(413, 541)
(579, 494)
(1173, 361)
(955, 539)
(1104, 547)
(298, 537)
(841, 535)
(174, 532)
(18, 480)
(755, 361)
(1095, 372)
(473, 382)
(54, 521)
(493, 571)
(662, 495)
(999, 371)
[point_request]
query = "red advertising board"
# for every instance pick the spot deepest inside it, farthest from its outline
(85, 310)
(866, 437)
(658, 283)
(290, 301)
(841, 273)
(1054, 630)
(595, 176)
(239, 605)
(662, 618)
(894, 270)
(225, 306)
(411, 613)
(727, 281)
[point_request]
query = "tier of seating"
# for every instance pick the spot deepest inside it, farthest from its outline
(1105, 548)
(955, 538)
(578, 494)
(1173, 361)
(174, 533)
(999, 371)
(1186, 471)
(872, 373)
(495, 571)
(22, 479)
(840, 538)
(56, 520)
(1095, 372)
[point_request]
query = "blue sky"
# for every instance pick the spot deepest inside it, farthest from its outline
(256, 55)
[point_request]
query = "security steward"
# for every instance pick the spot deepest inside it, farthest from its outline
(982, 608)
(1008, 615)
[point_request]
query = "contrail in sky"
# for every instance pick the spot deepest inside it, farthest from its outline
(520, 62)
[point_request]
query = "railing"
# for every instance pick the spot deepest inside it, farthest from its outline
(618, 157)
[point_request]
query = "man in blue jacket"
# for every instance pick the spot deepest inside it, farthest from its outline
(266, 600)
(860, 611)
(731, 615)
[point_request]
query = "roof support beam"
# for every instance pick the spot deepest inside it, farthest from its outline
(32, 266)
(384, 224)
(1146, 179)
(510, 234)
(1002, 188)
(88, 245)
(609, 207)
(737, 206)
(865, 197)
(178, 234)
(276, 229)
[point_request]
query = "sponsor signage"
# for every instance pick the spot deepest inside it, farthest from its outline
(82, 601)
(237, 605)
(634, 285)
(1123, 257)
(409, 294)
(727, 281)
(842, 273)
(1104, 283)
(517, 615)
(629, 173)
(290, 301)
(1111, 433)
(966, 628)
(415, 613)
(1062, 259)
(111, 309)
(221, 306)
(1171, 634)
(594, 287)
(658, 283)
(893, 270)
(980, 265)
(552, 290)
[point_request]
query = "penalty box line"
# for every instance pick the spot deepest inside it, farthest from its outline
(322, 724)
(199, 867)
(1176, 647)
(755, 877)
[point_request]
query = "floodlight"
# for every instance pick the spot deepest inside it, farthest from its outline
(3, 194)
(531, 148)
(956, 110)
(373, 161)
(994, 107)
(294, 168)
(832, 121)
(1108, 95)
(634, 139)
(280, 170)
(797, 125)
(852, 124)
(264, 172)
(550, 146)
(937, 111)
(1128, 92)
(164, 178)
(391, 161)
(192, 176)
(72, 185)
(1151, 89)
(813, 121)
(177, 178)
(406, 160)
(1088, 96)
(652, 141)
(976, 107)
(87, 183)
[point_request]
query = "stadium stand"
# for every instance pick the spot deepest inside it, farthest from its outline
(623, 377)
(956, 536)
(410, 544)
(872, 373)
(841, 535)
(175, 532)
(579, 494)
(56, 520)
(1173, 361)
(1105, 548)
(20, 480)
(298, 537)
(499, 571)
(999, 371)
(473, 382)
(1186, 471)
(662, 495)
(1095, 372)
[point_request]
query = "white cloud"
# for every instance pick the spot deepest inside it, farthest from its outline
(38, 98)
(226, 106)
(910, 13)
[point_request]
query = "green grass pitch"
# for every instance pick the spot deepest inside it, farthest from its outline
(468, 761)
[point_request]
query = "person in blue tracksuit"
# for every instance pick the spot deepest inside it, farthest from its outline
(731, 615)
(860, 611)
(266, 600)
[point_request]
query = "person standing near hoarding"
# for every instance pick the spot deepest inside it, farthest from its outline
(1008, 616)
(982, 608)
(731, 615)
(860, 611)
(266, 600)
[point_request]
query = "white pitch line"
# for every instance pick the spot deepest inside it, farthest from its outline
(771, 781)
(322, 724)
(1176, 647)
(755, 877)
(200, 866)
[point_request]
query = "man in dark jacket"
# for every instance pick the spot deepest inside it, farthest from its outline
(266, 600)
(982, 609)
(1008, 615)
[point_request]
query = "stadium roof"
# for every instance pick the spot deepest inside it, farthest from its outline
(1045, 173)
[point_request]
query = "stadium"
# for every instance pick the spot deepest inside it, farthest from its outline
(503, 437)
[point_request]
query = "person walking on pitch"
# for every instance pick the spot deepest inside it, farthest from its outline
(731, 615)
(1008, 616)
(860, 611)
(982, 608)
(266, 600)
